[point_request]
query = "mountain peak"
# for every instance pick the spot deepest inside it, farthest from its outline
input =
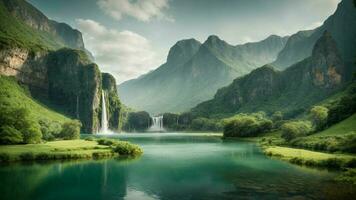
(214, 40)
(183, 50)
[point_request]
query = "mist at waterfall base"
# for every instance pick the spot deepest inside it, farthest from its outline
(104, 130)
(157, 124)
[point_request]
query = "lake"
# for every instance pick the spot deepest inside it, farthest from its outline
(173, 166)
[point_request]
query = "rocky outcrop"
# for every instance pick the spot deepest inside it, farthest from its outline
(290, 91)
(28, 67)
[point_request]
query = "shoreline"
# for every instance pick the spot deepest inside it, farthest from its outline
(63, 150)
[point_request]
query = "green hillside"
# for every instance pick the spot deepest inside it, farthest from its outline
(12, 95)
(14, 32)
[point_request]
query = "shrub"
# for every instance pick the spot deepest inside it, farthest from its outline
(4, 157)
(319, 116)
(9, 135)
(19, 119)
(244, 125)
(32, 135)
(90, 138)
(50, 129)
(292, 130)
(70, 130)
(128, 149)
(106, 142)
(277, 116)
(27, 156)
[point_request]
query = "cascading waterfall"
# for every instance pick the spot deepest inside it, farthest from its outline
(157, 124)
(104, 117)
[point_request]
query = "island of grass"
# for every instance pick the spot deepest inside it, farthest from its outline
(68, 150)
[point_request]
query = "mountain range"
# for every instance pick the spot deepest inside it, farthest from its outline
(204, 68)
(194, 71)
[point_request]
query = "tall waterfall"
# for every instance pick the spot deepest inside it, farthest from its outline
(104, 117)
(157, 124)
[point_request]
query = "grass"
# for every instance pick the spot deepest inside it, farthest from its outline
(338, 137)
(311, 158)
(67, 149)
(14, 95)
(347, 126)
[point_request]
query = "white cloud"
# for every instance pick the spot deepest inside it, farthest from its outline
(143, 10)
(125, 54)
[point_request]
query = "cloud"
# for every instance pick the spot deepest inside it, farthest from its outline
(143, 10)
(125, 54)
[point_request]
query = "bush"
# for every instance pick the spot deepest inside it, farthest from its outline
(50, 129)
(319, 115)
(277, 116)
(9, 135)
(244, 125)
(71, 130)
(27, 156)
(32, 135)
(107, 142)
(19, 119)
(292, 130)
(128, 149)
(4, 157)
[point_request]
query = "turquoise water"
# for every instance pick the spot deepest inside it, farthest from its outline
(174, 166)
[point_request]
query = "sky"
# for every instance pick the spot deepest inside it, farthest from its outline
(129, 38)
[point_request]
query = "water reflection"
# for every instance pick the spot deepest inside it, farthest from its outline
(173, 167)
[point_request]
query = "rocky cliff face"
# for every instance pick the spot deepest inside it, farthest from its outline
(290, 91)
(29, 68)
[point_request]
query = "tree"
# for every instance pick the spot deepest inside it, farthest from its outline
(71, 130)
(319, 115)
(20, 120)
(277, 116)
(247, 125)
(292, 130)
(9, 135)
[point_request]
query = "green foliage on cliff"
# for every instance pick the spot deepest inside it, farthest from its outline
(14, 32)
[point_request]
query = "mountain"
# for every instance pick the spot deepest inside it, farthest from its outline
(50, 59)
(341, 25)
(194, 71)
(290, 91)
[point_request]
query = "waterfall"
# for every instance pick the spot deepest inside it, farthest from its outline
(104, 117)
(157, 125)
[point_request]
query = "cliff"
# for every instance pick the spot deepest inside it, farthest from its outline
(50, 58)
